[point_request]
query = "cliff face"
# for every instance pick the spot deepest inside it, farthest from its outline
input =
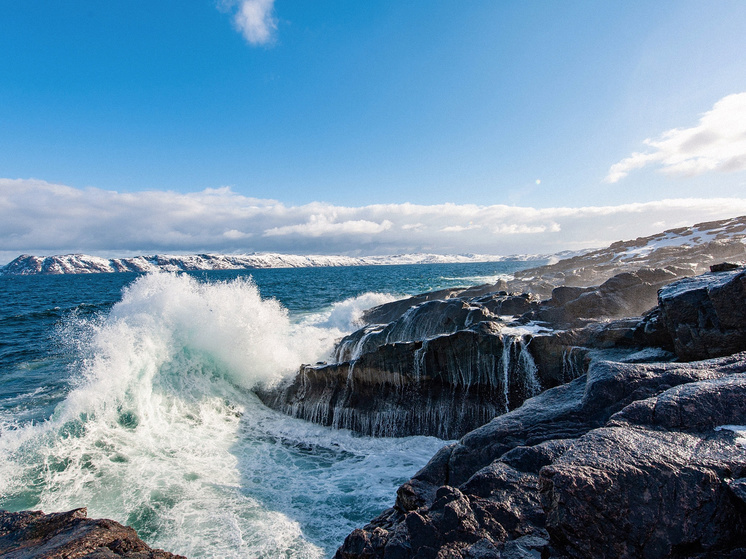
(443, 386)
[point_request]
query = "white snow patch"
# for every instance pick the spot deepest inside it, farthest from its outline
(739, 430)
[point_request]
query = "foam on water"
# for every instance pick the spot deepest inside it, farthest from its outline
(345, 316)
(160, 430)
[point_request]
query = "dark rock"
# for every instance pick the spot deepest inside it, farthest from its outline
(725, 267)
(623, 295)
(531, 459)
(564, 294)
(738, 489)
(418, 323)
(651, 331)
(444, 386)
(445, 366)
(67, 535)
(632, 489)
(706, 315)
(389, 312)
(629, 465)
(508, 305)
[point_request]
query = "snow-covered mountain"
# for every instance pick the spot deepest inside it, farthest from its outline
(85, 264)
(690, 249)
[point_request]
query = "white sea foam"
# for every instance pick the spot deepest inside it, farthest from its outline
(345, 316)
(739, 430)
(162, 433)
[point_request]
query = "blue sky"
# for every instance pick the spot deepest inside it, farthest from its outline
(380, 126)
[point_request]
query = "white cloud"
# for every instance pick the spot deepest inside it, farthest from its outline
(255, 20)
(37, 217)
(458, 228)
(319, 225)
(717, 143)
(236, 234)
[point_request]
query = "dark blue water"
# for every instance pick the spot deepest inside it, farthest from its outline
(130, 394)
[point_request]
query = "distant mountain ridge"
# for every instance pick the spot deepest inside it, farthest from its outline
(26, 264)
(688, 249)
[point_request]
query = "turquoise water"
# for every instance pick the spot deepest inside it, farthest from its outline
(131, 395)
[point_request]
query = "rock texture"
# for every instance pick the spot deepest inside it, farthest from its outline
(706, 315)
(635, 459)
(70, 535)
(444, 386)
(685, 251)
(444, 366)
(625, 461)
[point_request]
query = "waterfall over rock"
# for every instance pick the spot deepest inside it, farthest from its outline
(441, 367)
(451, 361)
(443, 386)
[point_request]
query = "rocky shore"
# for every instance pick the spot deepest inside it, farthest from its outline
(70, 535)
(629, 459)
(599, 405)
(443, 363)
(613, 435)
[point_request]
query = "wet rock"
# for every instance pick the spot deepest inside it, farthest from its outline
(389, 312)
(418, 323)
(444, 386)
(706, 315)
(67, 535)
(622, 462)
(653, 484)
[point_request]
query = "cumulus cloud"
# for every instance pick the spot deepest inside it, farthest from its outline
(38, 217)
(717, 143)
(319, 225)
(255, 20)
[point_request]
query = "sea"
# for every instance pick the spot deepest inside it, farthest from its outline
(131, 395)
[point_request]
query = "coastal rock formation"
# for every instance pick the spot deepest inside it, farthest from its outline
(445, 366)
(450, 361)
(68, 535)
(624, 295)
(706, 315)
(443, 386)
(629, 460)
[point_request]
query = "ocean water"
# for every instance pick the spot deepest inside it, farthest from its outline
(132, 395)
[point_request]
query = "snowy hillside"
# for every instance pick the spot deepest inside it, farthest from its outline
(683, 251)
(84, 264)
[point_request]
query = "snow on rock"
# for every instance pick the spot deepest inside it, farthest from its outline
(84, 264)
(739, 430)
(685, 251)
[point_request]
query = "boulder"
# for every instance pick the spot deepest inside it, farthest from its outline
(656, 480)
(625, 461)
(67, 535)
(706, 315)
